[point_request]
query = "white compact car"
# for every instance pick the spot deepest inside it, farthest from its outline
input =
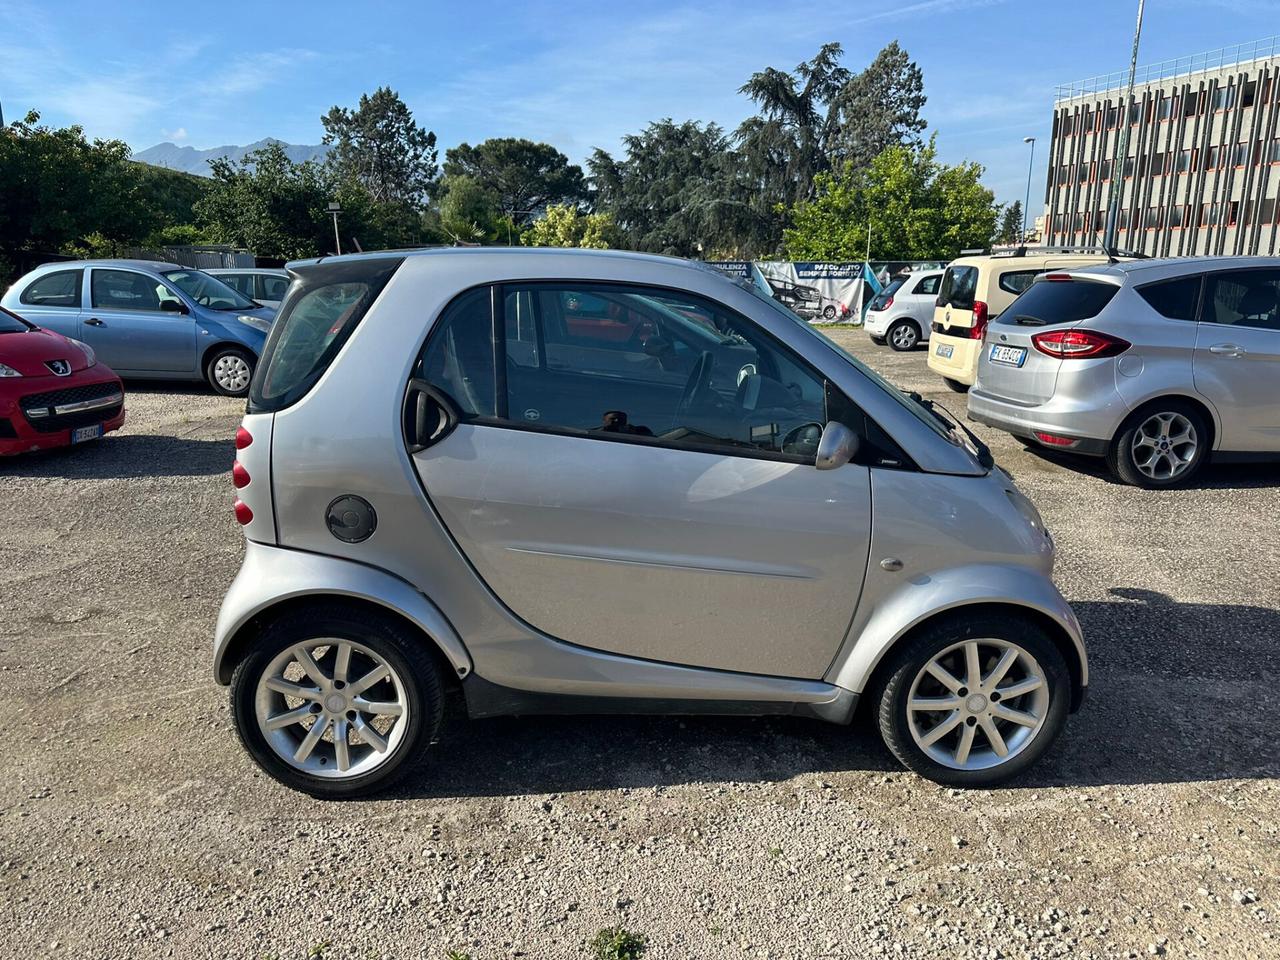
(901, 313)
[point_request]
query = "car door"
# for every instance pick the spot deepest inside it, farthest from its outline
(673, 513)
(1237, 357)
(53, 300)
(129, 329)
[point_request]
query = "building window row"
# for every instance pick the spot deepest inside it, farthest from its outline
(1177, 217)
(1162, 107)
(1162, 164)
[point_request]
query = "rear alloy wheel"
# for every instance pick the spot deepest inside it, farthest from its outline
(956, 385)
(229, 371)
(904, 335)
(336, 704)
(1160, 446)
(974, 701)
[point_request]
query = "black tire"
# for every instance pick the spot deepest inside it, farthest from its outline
(910, 658)
(829, 312)
(403, 652)
(229, 353)
(956, 385)
(912, 341)
(1120, 456)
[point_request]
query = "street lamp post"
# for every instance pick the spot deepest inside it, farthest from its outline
(1122, 151)
(1027, 202)
(335, 208)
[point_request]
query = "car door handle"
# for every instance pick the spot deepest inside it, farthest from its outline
(94, 322)
(1228, 350)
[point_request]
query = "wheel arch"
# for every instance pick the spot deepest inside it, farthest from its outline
(1204, 409)
(1051, 627)
(274, 581)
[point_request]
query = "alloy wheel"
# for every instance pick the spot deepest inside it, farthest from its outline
(978, 704)
(332, 708)
(232, 372)
(904, 336)
(1164, 446)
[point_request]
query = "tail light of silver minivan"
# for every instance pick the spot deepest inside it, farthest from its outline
(1079, 344)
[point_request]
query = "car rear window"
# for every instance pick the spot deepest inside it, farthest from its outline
(1049, 303)
(314, 322)
(958, 287)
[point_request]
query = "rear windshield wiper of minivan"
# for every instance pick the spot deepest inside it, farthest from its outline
(951, 421)
(1028, 321)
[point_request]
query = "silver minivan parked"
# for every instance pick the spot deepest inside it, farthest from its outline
(598, 482)
(1154, 364)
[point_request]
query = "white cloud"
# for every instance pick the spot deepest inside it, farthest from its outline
(177, 136)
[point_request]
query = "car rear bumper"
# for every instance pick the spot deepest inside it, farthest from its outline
(26, 427)
(1089, 425)
(962, 364)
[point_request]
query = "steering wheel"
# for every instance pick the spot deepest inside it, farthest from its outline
(698, 383)
(803, 440)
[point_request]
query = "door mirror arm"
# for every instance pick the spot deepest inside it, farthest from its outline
(837, 447)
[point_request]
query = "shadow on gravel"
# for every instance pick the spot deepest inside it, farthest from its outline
(1178, 693)
(127, 457)
(1214, 476)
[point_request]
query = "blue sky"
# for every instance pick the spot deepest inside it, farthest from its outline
(576, 74)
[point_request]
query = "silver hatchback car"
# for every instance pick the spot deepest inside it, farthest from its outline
(1154, 364)
(598, 482)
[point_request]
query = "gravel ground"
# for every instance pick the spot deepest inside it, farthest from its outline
(132, 825)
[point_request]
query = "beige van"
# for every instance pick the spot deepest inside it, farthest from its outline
(974, 291)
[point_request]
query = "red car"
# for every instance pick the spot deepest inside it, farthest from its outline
(53, 391)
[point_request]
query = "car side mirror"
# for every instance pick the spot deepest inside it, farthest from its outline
(837, 446)
(173, 306)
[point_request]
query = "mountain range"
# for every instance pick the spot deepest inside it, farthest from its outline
(191, 160)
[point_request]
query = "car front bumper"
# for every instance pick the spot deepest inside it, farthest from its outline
(21, 432)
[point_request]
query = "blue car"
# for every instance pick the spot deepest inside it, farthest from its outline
(149, 320)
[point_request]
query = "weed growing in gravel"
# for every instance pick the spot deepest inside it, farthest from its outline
(615, 943)
(457, 955)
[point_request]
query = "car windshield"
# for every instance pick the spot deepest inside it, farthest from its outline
(11, 323)
(208, 291)
(917, 409)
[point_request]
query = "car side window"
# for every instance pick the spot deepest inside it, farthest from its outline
(610, 360)
(458, 358)
(1018, 280)
(270, 288)
(928, 286)
(1175, 299)
(1243, 298)
(58, 289)
(126, 290)
(241, 283)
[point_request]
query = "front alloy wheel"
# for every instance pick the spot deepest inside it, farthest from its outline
(336, 703)
(974, 701)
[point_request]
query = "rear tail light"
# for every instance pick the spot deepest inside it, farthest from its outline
(243, 514)
(243, 438)
(979, 329)
(239, 475)
(1053, 440)
(887, 304)
(1079, 344)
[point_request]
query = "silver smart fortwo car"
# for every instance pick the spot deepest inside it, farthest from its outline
(599, 482)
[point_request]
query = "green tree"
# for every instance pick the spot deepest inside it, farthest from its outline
(679, 190)
(1011, 223)
(58, 190)
(469, 212)
(915, 208)
(522, 176)
(269, 204)
(878, 108)
(564, 225)
(380, 146)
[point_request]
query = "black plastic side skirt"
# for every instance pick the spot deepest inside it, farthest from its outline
(485, 699)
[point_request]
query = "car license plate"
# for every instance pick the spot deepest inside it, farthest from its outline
(81, 434)
(944, 350)
(1014, 356)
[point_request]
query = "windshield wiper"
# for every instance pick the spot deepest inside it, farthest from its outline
(1026, 321)
(951, 421)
